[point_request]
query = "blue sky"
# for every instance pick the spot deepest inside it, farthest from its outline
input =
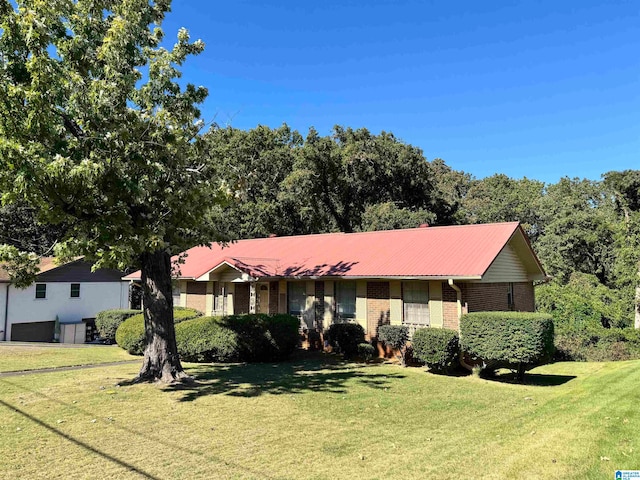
(542, 89)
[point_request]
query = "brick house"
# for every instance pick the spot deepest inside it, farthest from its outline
(418, 277)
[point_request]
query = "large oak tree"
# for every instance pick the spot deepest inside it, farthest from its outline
(97, 133)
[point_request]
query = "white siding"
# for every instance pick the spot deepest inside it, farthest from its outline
(3, 297)
(507, 267)
(94, 297)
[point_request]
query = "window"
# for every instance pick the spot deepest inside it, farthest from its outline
(346, 300)
(41, 290)
(297, 297)
(75, 290)
(510, 301)
(416, 303)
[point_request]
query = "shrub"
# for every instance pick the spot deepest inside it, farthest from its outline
(438, 348)
(345, 337)
(264, 337)
(180, 314)
(205, 339)
(246, 338)
(598, 344)
(108, 321)
(130, 335)
(366, 351)
(396, 337)
(510, 339)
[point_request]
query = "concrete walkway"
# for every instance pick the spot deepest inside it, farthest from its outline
(66, 369)
(53, 345)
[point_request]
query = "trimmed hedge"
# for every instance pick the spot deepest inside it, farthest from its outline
(263, 337)
(130, 335)
(510, 339)
(108, 321)
(366, 352)
(205, 339)
(246, 338)
(438, 348)
(345, 337)
(396, 337)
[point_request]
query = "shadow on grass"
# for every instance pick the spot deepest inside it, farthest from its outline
(79, 443)
(306, 371)
(534, 379)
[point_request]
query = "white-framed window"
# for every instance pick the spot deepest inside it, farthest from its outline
(346, 299)
(415, 297)
(75, 290)
(297, 297)
(41, 290)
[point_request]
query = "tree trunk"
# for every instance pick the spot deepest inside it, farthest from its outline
(161, 361)
(521, 372)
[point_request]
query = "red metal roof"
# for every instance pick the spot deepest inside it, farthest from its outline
(461, 251)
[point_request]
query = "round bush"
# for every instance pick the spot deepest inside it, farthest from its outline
(108, 321)
(205, 339)
(366, 351)
(180, 314)
(130, 335)
(345, 337)
(437, 347)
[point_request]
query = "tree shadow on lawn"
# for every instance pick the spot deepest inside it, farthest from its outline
(533, 379)
(305, 371)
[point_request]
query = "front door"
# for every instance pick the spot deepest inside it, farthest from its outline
(263, 298)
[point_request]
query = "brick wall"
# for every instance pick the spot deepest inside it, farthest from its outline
(378, 306)
(485, 297)
(524, 297)
(197, 296)
(273, 297)
(449, 307)
(241, 299)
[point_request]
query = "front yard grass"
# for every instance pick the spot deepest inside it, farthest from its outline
(19, 357)
(317, 417)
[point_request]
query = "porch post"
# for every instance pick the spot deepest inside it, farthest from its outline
(252, 297)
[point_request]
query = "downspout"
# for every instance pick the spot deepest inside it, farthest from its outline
(459, 308)
(6, 313)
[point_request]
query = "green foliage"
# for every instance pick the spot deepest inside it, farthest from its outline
(387, 216)
(247, 338)
(264, 338)
(366, 351)
(108, 321)
(396, 337)
(130, 334)
(499, 198)
(180, 314)
(583, 303)
(21, 267)
(438, 348)
(206, 339)
(345, 337)
(519, 339)
(598, 344)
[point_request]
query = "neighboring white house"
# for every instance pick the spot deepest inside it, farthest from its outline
(70, 292)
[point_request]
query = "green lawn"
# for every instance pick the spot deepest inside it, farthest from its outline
(17, 357)
(319, 418)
